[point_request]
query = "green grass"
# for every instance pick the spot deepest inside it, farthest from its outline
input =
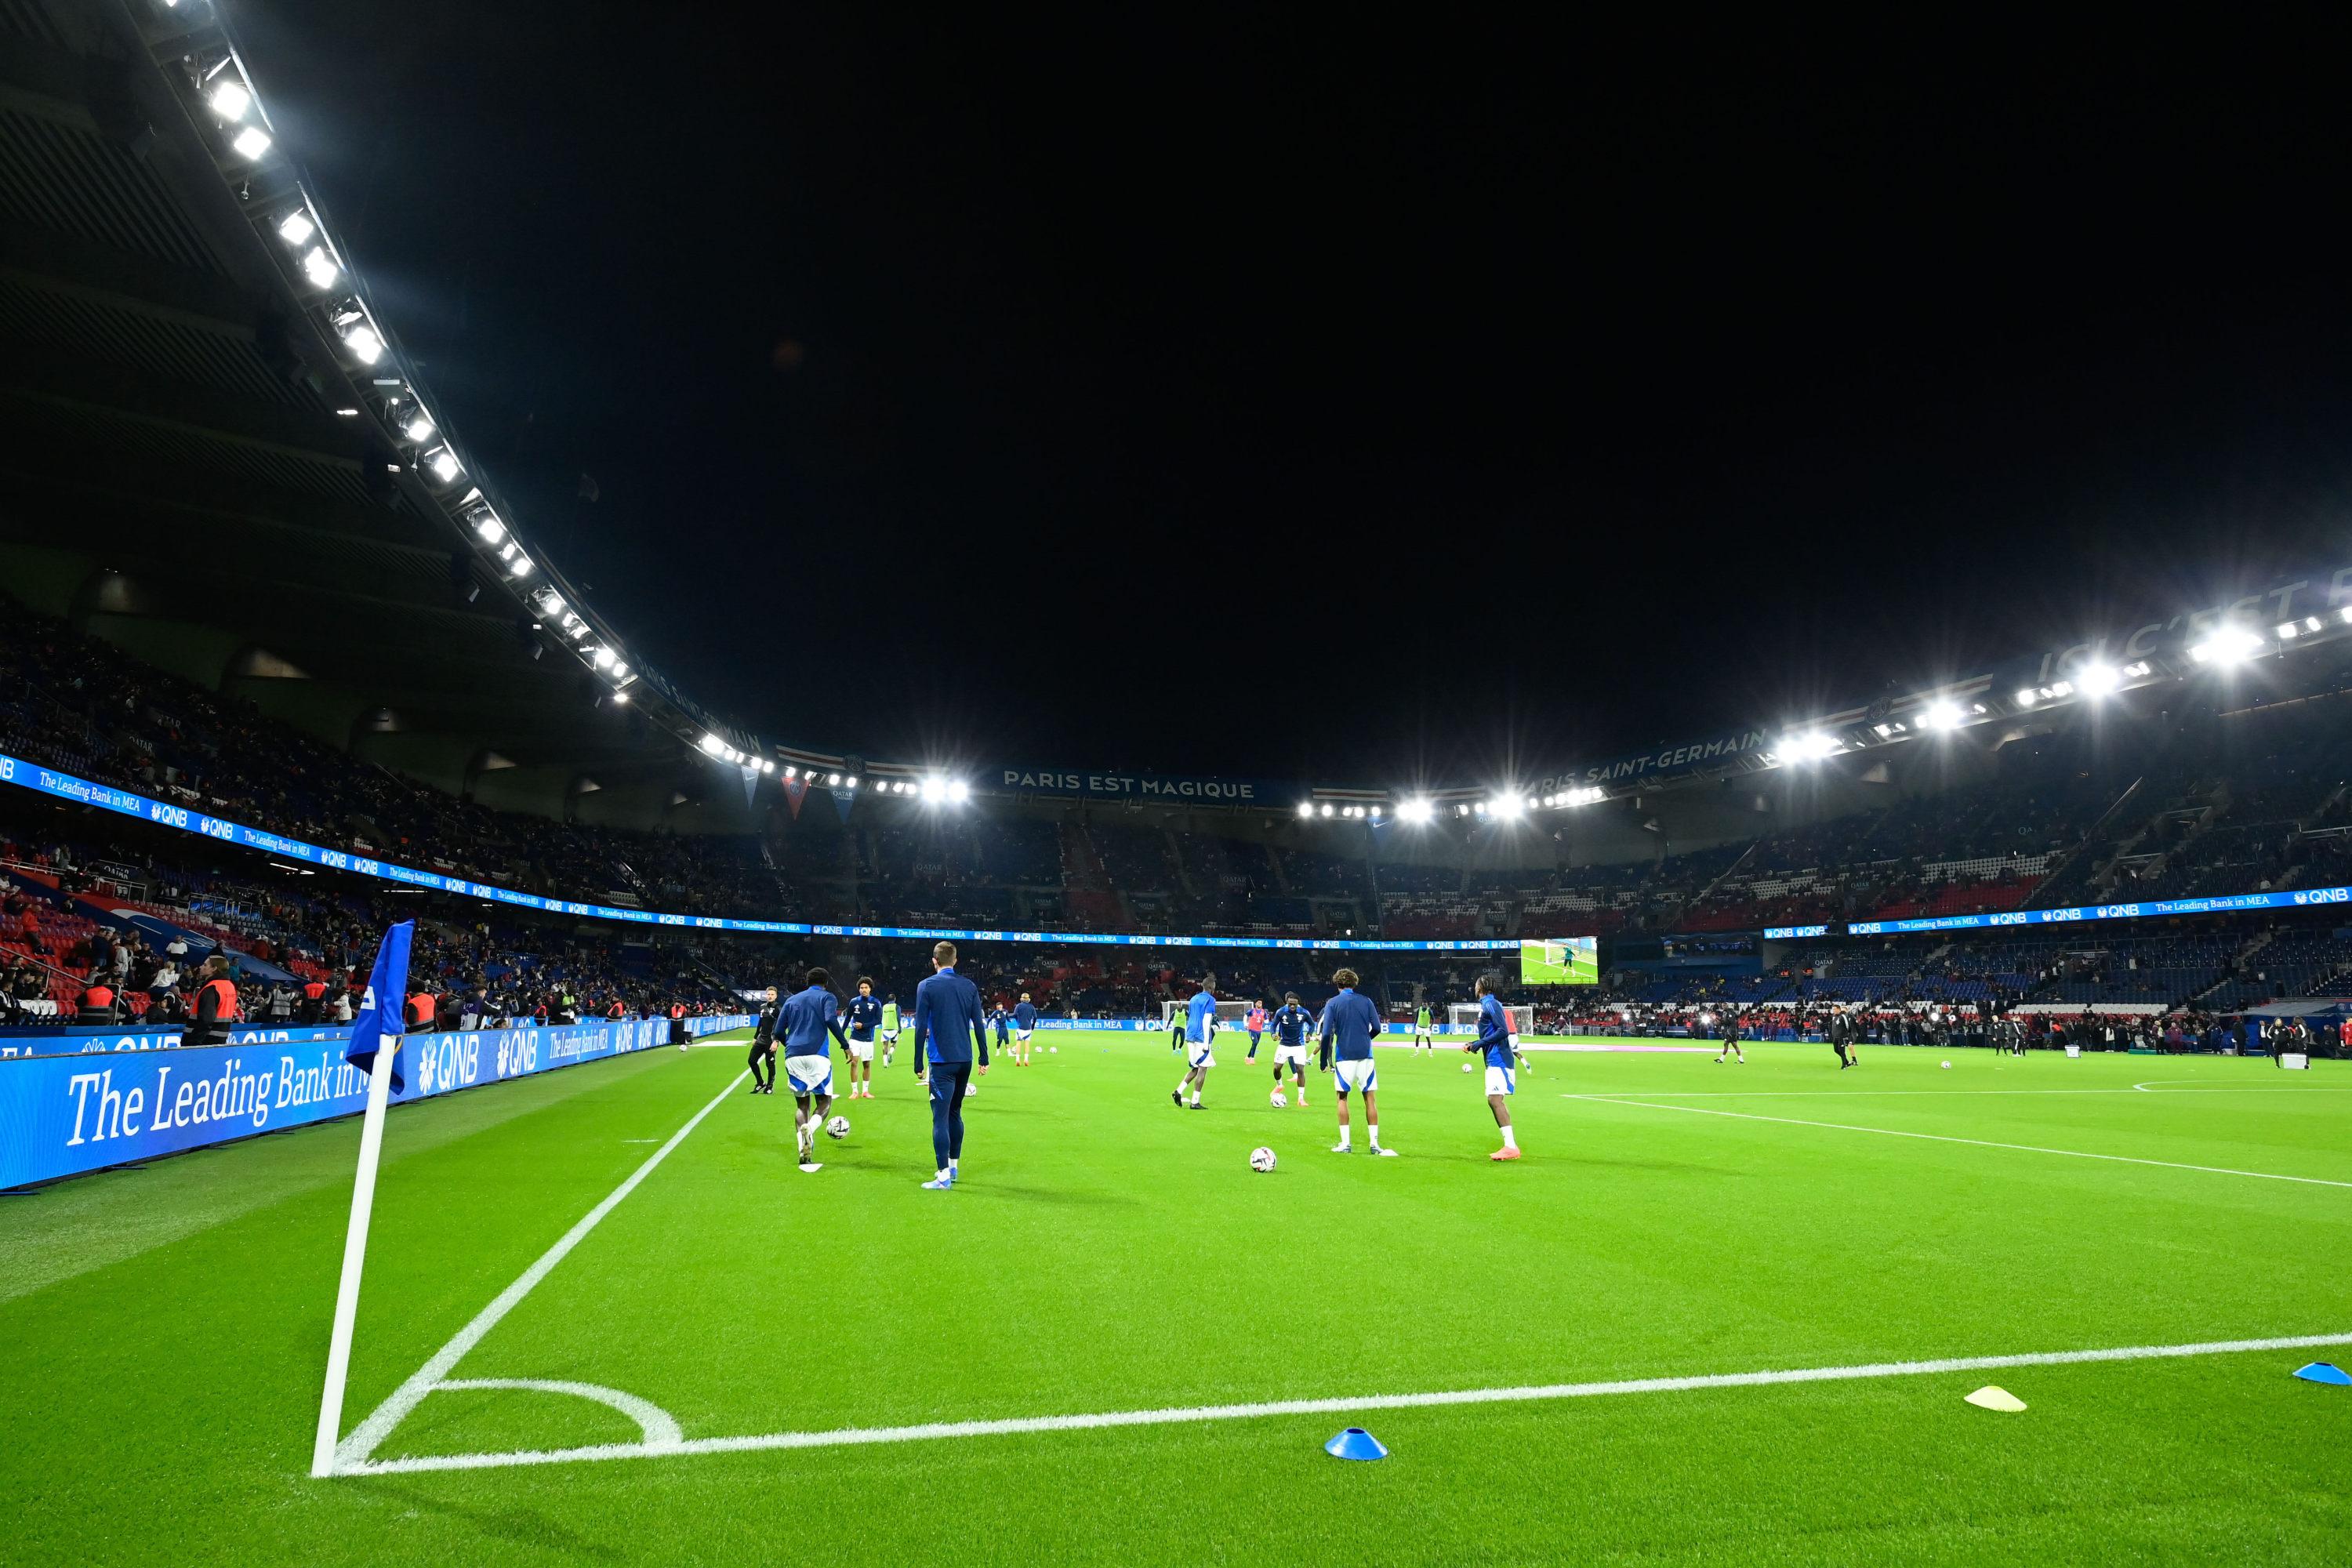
(165, 1328)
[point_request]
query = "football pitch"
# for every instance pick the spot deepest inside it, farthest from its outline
(1712, 1316)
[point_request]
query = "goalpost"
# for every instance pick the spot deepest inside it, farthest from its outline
(1464, 1016)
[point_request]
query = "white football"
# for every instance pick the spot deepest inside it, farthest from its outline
(1469, 1066)
(1280, 1101)
(1948, 1065)
(1261, 1160)
(837, 1127)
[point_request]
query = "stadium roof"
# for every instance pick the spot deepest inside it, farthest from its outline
(215, 435)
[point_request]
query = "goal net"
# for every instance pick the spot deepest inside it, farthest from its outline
(1465, 1016)
(1229, 1014)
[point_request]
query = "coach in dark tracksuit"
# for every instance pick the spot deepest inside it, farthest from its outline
(950, 1025)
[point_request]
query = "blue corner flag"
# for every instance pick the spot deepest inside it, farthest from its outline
(380, 1011)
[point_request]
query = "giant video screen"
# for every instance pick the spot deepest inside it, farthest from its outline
(1560, 960)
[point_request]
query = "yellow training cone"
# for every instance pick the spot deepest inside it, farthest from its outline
(1991, 1398)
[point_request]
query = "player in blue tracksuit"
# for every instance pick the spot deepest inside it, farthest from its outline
(1200, 1034)
(1292, 1025)
(1494, 1042)
(1025, 1024)
(863, 1015)
(948, 1027)
(1003, 1020)
(807, 1016)
(1352, 1022)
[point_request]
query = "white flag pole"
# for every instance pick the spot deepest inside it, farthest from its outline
(347, 1294)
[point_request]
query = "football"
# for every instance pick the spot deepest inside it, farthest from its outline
(1948, 1065)
(1469, 1066)
(1261, 1160)
(1278, 1099)
(837, 1127)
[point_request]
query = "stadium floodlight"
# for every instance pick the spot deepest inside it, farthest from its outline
(833, 778)
(443, 464)
(621, 670)
(549, 601)
(1812, 747)
(791, 771)
(601, 657)
(1305, 808)
(2138, 669)
(366, 346)
(2345, 615)
(2227, 645)
(1506, 806)
(2028, 697)
(522, 567)
(319, 267)
(2098, 679)
(296, 227)
(488, 526)
(1941, 716)
(2311, 623)
(849, 783)
(1326, 809)
(621, 697)
(229, 100)
(2289, 630)
(1417, 809)
(250, 143)
(959, 791)
(712, 744)
(419, 427)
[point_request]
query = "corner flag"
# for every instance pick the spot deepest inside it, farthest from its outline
(381, 1009)
(380, 1019)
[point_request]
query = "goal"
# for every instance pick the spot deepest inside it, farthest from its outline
(1464, 1016)
(1229, 1014)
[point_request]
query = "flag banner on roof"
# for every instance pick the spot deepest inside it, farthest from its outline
(381, 1010)
(751, 781)
(843, 799)
(795, 791)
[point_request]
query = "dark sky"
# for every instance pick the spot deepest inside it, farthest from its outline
(1345, 398)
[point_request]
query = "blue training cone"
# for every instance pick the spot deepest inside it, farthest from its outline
(2318, 1371)
(1355, 1442)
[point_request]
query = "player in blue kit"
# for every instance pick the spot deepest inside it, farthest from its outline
(805, 1019)
(1025, 1024)
(863, 1015)
(1352, 1022)
(1200, 1034)
(949, 1030)
(1292, 1025)
(1494, 1042)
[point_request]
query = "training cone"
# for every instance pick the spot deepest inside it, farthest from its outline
(1989, 1398)
(1355, 1442)
(2324, 1372)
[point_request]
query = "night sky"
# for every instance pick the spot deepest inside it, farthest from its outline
(1337, 397)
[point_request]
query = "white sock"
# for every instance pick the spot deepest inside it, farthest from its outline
(1372, 1131)
(944, 1173)
(1343, 1137)
(1510, 1137)
(953, 1163)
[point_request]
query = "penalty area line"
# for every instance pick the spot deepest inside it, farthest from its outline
(1184, 1415)
(369, 1435)
(1972, 1143)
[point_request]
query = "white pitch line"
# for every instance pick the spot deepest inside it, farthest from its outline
(370, 1433)
(1975, 1142)
(1180, 1414)
(1950, 1093)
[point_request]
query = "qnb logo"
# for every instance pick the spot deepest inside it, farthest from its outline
(8, 769)
(451, 1062)
(365, 868)
(214, 828)
(170, 815)
(2012, 919)
(2325, 896)
(518, 1052)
